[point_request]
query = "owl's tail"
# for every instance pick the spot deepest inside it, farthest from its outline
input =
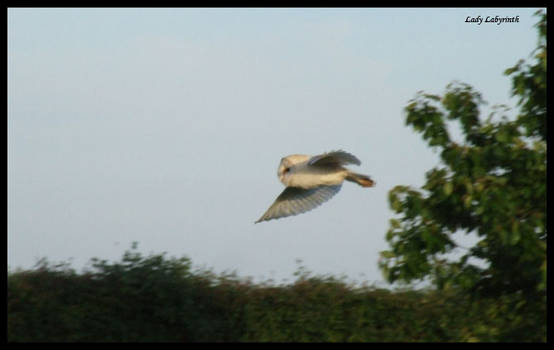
(362, 180)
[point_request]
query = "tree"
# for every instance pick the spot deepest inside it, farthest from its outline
(493, 184)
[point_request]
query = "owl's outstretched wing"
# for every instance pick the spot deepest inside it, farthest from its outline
(295, 200)
(334, 158)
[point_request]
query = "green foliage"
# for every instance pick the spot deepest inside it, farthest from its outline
(138, 299)
(160, 299)
(529, 84)
(493, 184)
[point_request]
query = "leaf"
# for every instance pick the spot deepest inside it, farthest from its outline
(467, 200)
(502, 136)
(395, 224)
(448, 188)
(432, 97)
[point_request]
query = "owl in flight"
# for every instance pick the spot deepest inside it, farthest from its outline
(311, 181)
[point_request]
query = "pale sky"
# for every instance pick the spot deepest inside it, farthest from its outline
(166, 127)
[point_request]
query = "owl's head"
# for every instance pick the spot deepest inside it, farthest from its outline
(286, 167)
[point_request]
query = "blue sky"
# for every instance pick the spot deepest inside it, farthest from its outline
(166, 126)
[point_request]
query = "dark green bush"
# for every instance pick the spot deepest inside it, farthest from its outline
(160, 299)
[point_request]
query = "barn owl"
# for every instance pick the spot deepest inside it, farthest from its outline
(310, 181)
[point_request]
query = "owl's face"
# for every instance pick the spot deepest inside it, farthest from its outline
(286, 167)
